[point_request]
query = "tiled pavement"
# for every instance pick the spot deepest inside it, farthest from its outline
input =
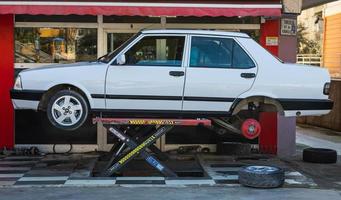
(31, 171)
(14, 168)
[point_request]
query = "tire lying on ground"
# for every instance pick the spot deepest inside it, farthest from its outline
(261, 176)
(319, 155)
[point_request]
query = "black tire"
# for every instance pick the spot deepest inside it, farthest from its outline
(82, 118)
(319, 155)
(250, 177)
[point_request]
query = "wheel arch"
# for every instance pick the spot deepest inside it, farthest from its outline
(269, 104)
(57, 87)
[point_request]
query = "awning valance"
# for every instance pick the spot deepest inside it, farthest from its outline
(138, 8)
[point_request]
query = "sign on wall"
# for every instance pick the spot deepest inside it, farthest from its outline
(288, 27)
(271, 41)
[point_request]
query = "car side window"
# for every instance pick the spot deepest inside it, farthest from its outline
(215, 52)
(240, 58)
(211, 52)
(157, 51)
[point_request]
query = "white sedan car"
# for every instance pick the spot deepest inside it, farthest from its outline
(175, 73)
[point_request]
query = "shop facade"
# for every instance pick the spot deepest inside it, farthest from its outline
(37, 33)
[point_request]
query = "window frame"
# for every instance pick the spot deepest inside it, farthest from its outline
(235, 40)
(143, 35)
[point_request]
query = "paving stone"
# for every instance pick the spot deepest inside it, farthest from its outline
(190, 182)
(50, 178)
(155, 178)
(39, 183)
(6, 183)
(90, 182)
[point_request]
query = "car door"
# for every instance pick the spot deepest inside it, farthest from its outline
(218, 71)
(152, 77)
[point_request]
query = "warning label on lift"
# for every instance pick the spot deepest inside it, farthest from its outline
(151, 122)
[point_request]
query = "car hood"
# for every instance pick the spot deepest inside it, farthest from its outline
(56, 66)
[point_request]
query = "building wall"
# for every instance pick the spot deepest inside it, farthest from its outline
(333, 119)
(332, 61)
(332, 39)
(308, 18)
(287, 49)
(325, 30)
(269, 29)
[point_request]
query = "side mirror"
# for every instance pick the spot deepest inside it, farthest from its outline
(121, 59)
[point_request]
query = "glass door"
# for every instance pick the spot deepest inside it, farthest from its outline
(113, 39)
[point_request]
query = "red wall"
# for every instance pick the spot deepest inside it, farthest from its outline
(269, 29)
(6, 81)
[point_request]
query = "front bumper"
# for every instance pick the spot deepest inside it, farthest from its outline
(26, 99)
(31, 95)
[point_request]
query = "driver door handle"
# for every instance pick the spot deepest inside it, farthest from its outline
(176, 73)
(248, 75)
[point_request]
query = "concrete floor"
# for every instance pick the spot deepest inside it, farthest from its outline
(141, 193)
(318, 137)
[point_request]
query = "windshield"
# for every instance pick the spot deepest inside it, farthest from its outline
(109, 56)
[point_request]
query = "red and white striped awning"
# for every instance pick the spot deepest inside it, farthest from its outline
(149, 8)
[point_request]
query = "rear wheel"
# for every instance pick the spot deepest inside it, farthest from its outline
(67, 110)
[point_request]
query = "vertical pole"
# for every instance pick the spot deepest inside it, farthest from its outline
(288, 48)
(278, 135)
(6, 81)
(163, 21)
(100, 35)
(102, 142)
(286, 136)
(101, 131)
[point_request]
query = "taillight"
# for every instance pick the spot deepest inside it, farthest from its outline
(326, 88)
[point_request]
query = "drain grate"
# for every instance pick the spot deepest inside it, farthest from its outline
(228, 172)
(190, 173)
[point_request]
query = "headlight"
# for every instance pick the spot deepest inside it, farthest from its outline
(17, 84)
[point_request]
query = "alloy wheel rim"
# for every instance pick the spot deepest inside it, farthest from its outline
(261, 168)
(66, 110)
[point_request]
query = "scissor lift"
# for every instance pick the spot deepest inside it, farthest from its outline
(138, 144)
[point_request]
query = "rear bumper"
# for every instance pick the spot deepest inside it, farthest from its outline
(306, 107)
(26, 99)
(306, 104)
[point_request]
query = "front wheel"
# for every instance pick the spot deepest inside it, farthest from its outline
(67, 110)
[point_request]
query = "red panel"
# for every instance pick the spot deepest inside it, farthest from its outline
(6, 81)
(269, 29)
(139, 11)
(268, 136)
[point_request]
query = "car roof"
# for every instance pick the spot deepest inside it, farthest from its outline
(193, 31)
